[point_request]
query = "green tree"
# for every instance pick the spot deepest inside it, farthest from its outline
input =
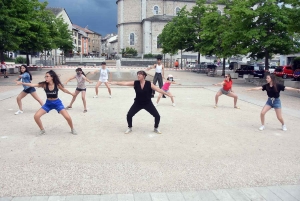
(262, 28)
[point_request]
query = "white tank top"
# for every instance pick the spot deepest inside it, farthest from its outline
(158, 68)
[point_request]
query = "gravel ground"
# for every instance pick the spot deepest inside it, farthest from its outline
(200, 148)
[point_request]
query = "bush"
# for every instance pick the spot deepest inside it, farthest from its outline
(20, 60)
(129, 52)
(150, 55)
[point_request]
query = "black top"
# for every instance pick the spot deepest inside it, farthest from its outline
(271, 90)
(53, 93)
(143, 96)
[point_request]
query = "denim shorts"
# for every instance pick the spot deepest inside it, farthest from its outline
(53, 104)
(274, 103)
(165, 90)
(224, 91)
(29, 90)
(78, 89)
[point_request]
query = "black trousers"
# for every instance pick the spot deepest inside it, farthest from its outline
(157, 77)
(135, 108)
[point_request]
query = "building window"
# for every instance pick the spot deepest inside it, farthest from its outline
(155, 10)
(75, 41)
(177, 10)
(158, 43)
(132, 39)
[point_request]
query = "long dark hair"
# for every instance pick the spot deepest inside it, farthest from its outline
(274, 83)
(55, 77)
(26, 71)
(79, 69)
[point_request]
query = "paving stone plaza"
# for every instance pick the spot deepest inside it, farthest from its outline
(202, 154)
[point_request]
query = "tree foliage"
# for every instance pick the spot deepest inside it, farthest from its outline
(26, 25)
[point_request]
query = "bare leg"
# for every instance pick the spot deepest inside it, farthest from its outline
(279, 115)
(19, 98)
(97, 86)
(109, 90)
(73, 99)
(83, 99)
(265, 109)
(66, 115)
(172, 98)
(219, 93)
(158, 98)
(234, 96)
(36, 97)
(37, 118)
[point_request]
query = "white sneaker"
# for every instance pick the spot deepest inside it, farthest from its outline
(95, 96)
(173, 104)
(19, 112)
(109, 96)
(42, 132)
(73, 131)
(157, 131)
(261, 128)
(284, 128)
(129, 130)
(156, 104)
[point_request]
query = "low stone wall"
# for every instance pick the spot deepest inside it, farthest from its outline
(139, 63)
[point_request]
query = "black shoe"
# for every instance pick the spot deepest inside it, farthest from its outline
(5, 77)
(152, 96)
(164, 96)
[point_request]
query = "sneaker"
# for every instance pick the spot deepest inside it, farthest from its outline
(42, 132)
(156, 104)
(129, 130)
(261, 128)
(5, 77)
(95, 96)
(73, 131)
(109, 96)
(157, 131)
(164, 96)
(173, 104)
(19, 112)
(284, 128)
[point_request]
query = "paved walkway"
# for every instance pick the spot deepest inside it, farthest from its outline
(270, 193)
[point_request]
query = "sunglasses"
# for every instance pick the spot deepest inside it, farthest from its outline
(226, 76)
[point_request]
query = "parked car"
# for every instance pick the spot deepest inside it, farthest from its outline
(190, 64)
(296, 74)
(284, 71)
(256, 71)
(272, 69)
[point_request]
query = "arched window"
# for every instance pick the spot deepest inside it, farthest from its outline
(177, 10)
(131, 39)
(155, 10)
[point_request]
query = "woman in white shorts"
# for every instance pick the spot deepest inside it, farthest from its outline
(105, 75)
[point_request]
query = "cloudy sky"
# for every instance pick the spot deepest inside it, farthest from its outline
(99, 15)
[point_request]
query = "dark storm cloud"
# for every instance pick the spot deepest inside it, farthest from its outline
(98, 15)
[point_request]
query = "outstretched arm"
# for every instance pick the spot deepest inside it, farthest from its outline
(71, 78)
(86, 79)
(255, 89)
(292, 89)
(219, 84)
(149, 68)
(96, 71)
(28, 84)
(65, 90)
(131, 83)
(159, 90)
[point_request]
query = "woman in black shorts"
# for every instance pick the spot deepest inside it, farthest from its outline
(81, 78)
(143, 90)
(51, 86)
(273, 91)
(26, 77)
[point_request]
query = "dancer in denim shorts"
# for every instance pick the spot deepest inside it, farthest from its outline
(81, 78)
(26, 77)
(51, 86)
(273, 91)
(226, 90)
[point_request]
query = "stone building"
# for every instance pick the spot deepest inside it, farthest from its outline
(141, 21)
